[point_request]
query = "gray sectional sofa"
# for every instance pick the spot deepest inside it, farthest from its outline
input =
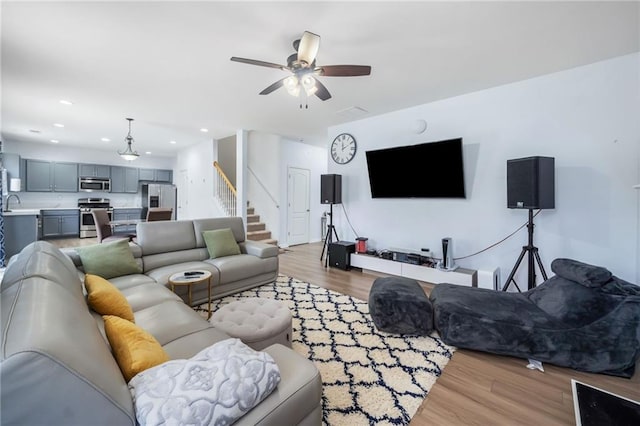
(167, 247)
(56, 363)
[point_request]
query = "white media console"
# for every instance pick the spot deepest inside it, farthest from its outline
(461, 276)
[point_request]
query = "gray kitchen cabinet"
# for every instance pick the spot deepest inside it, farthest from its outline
(44, 176)
(124, 179)
(164, 175)
(156, 175)
(19, 231)
(38, 176)
(65, 177)
(127, 214)
(148, 175)
(60, 223)
(95, 170)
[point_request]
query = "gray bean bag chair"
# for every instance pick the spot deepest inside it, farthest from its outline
(583, 318)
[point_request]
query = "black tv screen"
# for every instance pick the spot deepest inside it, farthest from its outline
(427, 170)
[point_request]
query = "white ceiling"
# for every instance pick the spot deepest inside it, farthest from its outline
(167, 65)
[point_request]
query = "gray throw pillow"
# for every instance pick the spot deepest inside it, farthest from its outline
(109, 260)
(220, 243)
(582, 273)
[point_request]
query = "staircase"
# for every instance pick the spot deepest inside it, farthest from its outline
(256, 230)
(226, 196)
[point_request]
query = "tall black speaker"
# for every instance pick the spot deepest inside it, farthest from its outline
(331, 189)
(530, 183)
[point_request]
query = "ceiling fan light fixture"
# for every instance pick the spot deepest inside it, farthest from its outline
(309, 84)
(129, 153)
(292, 86)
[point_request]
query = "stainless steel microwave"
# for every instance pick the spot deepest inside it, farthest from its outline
(89, 184)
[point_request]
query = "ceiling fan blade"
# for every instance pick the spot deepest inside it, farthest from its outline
(259, 63)
(322, 91)
(308, 47)
(278, 84)
(343, 70)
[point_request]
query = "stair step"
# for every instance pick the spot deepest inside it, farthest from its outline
(256, 226)
(258, 235)
(251, 210)
(269, 241)
(253, 218)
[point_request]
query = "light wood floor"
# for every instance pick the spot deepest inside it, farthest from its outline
(475, 388)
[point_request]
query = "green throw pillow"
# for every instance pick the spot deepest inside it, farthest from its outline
(221, 242)
(108, 260)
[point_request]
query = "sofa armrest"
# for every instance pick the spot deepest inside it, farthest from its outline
(258, 249)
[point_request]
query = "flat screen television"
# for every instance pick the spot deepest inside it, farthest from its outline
(427, 170)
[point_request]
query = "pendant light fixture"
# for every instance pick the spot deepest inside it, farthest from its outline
(129, 154)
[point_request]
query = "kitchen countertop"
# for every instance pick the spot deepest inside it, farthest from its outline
(127, 208)
(22, 212)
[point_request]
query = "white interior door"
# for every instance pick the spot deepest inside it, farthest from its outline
(298, 206)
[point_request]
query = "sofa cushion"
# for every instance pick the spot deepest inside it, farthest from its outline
(220, 243)
(582, 273)
(135, 350)
(240, 267)
(217, 386)
(44, 260)
(159, 260)
(106, 299)
(234, 223)
(149, 294)
(165, 236)
(169, 321)
(108, 260)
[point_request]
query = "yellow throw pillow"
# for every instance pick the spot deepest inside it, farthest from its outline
(106, 299)
(135, 350)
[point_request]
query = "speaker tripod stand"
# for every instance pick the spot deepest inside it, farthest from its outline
(328, 238)
(532, 254)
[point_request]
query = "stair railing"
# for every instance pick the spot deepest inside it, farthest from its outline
(225, 192)
(263, 187)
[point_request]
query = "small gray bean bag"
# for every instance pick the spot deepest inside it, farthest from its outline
(399, 305)
(583, 318)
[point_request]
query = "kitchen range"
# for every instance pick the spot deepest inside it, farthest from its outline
(86, 206)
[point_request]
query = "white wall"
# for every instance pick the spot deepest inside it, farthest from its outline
(264, 159)
(195, 192)
(587, 118)
(227, 157)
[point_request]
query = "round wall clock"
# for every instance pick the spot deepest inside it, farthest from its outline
(343, 148)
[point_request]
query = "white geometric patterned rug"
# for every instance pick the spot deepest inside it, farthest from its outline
(369, 377)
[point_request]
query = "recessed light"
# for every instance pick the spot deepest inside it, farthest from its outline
(58, 125)
(148, 152)
(203, 130)
(54, 141)
(65, 102)
(172, 142)
(105, 140)
(34, 131)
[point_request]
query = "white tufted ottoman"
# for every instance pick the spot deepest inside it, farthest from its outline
(257, 322)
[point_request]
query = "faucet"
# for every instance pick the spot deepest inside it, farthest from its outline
(6, 206)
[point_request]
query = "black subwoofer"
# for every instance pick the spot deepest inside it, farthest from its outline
(340, 254)
(530, 183)
(331, 189)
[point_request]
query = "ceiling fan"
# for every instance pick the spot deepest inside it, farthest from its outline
(303, 69)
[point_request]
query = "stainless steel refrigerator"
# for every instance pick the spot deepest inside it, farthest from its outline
(159, 195)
